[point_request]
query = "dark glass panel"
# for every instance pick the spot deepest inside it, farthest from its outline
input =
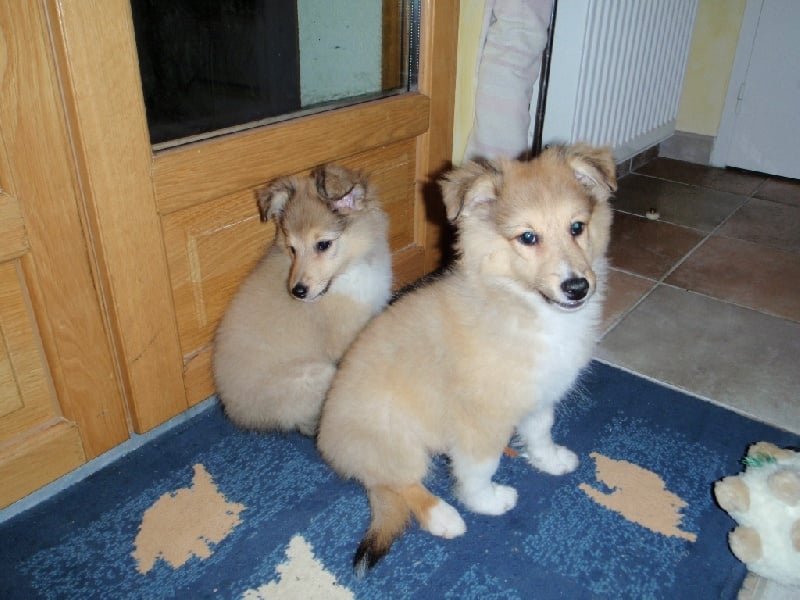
(209, 65)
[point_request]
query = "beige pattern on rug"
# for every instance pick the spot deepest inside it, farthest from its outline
(184, 523)
(638, 495)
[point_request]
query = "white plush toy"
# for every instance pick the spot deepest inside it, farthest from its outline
(765, 501)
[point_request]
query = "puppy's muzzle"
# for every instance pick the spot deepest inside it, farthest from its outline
(300, 291)
(574, 292)
(575, 288)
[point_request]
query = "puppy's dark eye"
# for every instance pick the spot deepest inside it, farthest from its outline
(576, 228)
(528, 238)
(323, 245)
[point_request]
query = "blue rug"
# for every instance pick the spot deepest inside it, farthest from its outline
(267, 518)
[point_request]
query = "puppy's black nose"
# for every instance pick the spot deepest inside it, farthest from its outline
(575, 288)
(300, 291)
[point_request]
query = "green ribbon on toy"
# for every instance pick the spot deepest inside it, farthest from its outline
(758, 460)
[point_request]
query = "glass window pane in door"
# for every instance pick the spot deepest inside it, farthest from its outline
(211, 65)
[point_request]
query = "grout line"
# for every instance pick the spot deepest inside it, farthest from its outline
(662, 279)
(748, 195)
(683, 259)
(688, 392)
(630, 309)
(758, 188)
(691, 252)
(727, 405)
(694, 249)
(731, 303)
(707, 237)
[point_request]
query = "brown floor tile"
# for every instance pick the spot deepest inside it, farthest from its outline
(724, 180)
(777, 189)
(688, 205)
(624, 291)
(758, 277)
(768, 223)
(648, 248)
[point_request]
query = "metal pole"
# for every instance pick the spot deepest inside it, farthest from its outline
(544, 78)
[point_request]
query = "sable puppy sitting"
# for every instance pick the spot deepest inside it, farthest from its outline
(327, 273)
(458, 365)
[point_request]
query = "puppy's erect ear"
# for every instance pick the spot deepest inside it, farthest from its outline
(476, 183)
(272, 199)
(594, 168)
(343, 189)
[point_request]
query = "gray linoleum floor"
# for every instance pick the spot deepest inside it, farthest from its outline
(706, 298)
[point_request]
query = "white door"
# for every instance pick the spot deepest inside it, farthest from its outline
(760, 125)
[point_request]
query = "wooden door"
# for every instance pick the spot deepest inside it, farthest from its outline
(60, 402)
(176, 230)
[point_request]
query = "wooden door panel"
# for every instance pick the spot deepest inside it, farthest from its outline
(391, 169)
(38, 459)
(210, 248)
(197, 377)
(13, 241)
(38, 443)
(26, 399)
(206, 170)
(60, 399)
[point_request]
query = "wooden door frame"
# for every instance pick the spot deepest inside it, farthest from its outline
(58, 270)
(437, 80)
(122, 185)
(96, 51)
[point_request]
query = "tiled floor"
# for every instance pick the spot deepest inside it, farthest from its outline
(706, 297)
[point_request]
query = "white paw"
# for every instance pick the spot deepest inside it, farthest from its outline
(555, 459)
(444, 521)
(494, 499)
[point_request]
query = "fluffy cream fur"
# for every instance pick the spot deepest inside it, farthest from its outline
(457, 365)
(327, 273)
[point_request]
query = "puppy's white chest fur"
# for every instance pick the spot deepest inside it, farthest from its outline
(368, 281)
(567, 340)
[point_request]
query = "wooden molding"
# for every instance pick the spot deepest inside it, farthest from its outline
(43, 457)
(55, 272)
(206, 170)
(437, 80)
(104, 100)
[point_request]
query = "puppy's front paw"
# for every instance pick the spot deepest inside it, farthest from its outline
(494, 499)
(555, 459)
(444, 521)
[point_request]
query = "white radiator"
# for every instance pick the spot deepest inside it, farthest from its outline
(617, 72)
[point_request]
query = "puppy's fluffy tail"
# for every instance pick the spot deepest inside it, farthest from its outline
(390, 516)
(391, 513)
